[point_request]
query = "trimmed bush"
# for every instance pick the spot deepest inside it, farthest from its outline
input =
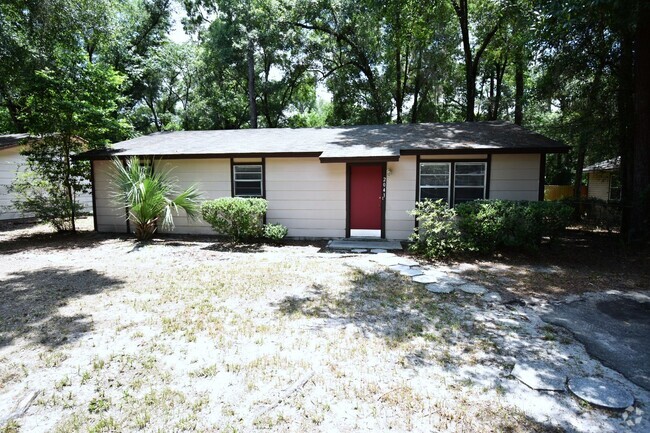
(275, 232)
(486, 226)
(437, 234)
(238, 218)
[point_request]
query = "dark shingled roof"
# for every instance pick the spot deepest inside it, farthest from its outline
(386, 142)
(11, 140)
(609, 165)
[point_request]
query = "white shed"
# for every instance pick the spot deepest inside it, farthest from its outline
(11, 162)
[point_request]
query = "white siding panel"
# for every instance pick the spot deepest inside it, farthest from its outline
(10, 161)
(306, 196)
(515, 176)
(211, 177)
(110, 217)
(599, 185)
(400, 197)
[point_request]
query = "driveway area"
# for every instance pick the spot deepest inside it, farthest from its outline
(614, 327)
(99, 333)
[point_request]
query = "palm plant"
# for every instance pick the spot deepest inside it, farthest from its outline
(146, 195)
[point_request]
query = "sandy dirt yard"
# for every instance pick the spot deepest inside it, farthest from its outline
(101, 334)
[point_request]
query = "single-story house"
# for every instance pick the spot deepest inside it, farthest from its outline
(603, 180)
(338, 182)
(11, 163)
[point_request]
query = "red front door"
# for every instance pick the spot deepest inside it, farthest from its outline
(366, 197)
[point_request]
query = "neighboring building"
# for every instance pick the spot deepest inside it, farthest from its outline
(11, 162)
(603, 180)
(338, 182)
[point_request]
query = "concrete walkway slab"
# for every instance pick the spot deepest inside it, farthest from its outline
(368, 244)
(539, 376)
(601, 393)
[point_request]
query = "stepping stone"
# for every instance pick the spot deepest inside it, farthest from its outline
(358, 250)
(378, 251)
(412, 272)
(440, 287)
(425, 279)
(599, 392)
(407, 262)
(386, 259)
(492, 297)
(452, 279)
(437, 273)
(406, 270)
(539, 376)
(474, 289)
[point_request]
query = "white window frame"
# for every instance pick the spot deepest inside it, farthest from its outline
(451, 179)
(420, 186)
(235, 180)
(456, 186)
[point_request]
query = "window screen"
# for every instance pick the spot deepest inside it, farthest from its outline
(469, 181)
(454, 182)
(434, 180)
(247, 180)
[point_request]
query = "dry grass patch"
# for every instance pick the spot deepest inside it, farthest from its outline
(183, 335)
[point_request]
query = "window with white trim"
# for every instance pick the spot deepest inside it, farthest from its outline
(453, 182)
(469, 181)
(247, 180)
(614, 187)
(434, 180)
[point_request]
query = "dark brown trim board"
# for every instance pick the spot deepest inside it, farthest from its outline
(488, 175)
(232, 177)
(359, 160)
(218, 155)
(92, 191)
(347, 200)
(482, 151)
(542, 176)
(384, 181)
(417, 185)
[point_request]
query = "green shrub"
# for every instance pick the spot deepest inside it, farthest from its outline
(238, 218)
(275, 232)
(487, 225)
(437, 234)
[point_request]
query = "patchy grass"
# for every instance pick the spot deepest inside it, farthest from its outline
(185, 335)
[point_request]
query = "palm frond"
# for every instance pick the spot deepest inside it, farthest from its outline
(146, 194)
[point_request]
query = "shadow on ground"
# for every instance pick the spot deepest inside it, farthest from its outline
(458, 333)
(390, 306)
(31, 302)
(52, 241)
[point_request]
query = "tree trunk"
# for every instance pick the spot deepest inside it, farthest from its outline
(68, 187)
(519, 89)
(639, 230)
(417, 85)
(580, 164)
(399, 98)
(491, 110)
(250, 55)
(500, 72)
(625, 103)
